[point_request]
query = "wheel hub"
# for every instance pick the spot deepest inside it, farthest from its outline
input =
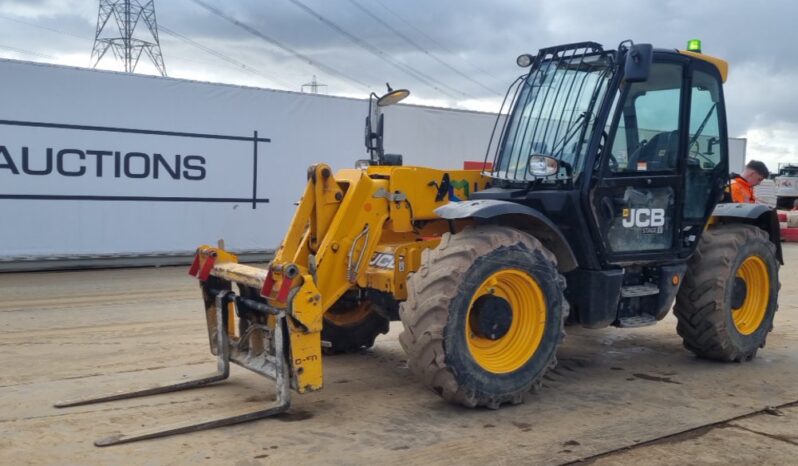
(739, 292)
(505, 321)
(750, 311)
(491, 317)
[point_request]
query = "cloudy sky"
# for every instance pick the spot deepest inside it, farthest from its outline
(453, 53)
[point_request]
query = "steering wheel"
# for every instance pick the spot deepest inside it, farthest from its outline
(698, 156)
(611, 160)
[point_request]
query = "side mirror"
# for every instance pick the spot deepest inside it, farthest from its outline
(638, 63)
(375, 123)
(374, 133)
(368, 136)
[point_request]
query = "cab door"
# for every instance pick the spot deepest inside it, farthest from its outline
(638, 196)
(706, 168)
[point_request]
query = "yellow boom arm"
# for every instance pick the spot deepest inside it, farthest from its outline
(341, 222)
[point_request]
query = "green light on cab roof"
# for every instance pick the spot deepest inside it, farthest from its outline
(694, 45)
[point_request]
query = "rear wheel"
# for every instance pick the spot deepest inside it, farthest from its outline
(484, 316)
(352, 324)
(725, 306)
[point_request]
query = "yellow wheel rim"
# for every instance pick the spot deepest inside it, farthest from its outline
(748, 317)
(349, 316)
(528, 306)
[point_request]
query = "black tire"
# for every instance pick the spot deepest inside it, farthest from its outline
(350, 325)
(704, 302)
(439, 297)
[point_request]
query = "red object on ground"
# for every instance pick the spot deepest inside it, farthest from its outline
(472, 165)
(789, 234)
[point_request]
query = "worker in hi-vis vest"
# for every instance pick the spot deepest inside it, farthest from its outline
(742, 185)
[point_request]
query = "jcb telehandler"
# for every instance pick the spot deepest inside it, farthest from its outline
(599, 203)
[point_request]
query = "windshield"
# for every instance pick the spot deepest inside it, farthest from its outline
(553, 112)
(788, 171)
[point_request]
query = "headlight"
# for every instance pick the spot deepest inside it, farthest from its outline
(524, 60)
(362, 164)
(540, 165)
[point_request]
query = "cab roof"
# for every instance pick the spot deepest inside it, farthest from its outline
(721, 65)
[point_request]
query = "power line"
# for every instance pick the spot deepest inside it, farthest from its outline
(425, 35)
(426, 79)
(44, 27)
(232, 61)
(279, 44)
(27, 52)
(415, 44)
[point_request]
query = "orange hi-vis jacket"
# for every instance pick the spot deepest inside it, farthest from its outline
(741, 191)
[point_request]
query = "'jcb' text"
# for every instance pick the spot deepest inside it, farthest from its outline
(643, 217)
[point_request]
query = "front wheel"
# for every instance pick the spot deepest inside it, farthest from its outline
(726, 304)
(352, 324)
(484, 316)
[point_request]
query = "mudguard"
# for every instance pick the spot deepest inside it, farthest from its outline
(755, 214)
(519, 216)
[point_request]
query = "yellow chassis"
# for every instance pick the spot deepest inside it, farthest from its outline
(344, 224)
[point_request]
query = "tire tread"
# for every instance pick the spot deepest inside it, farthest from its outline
(699, 308)
(430, 291)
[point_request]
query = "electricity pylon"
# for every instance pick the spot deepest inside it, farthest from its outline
(128, 46)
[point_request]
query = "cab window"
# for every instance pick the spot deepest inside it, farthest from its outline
(704, 148)
(647, 135)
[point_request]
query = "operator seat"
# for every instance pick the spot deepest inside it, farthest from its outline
(659, 153)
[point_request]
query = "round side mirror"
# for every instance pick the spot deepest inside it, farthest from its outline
(392, 97)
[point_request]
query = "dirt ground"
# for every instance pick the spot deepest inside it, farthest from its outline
(619, 396)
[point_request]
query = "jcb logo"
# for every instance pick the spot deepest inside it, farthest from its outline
(643, 217)
(382, 260)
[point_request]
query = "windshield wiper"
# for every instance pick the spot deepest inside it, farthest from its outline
(701, 128)
(576, 126)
